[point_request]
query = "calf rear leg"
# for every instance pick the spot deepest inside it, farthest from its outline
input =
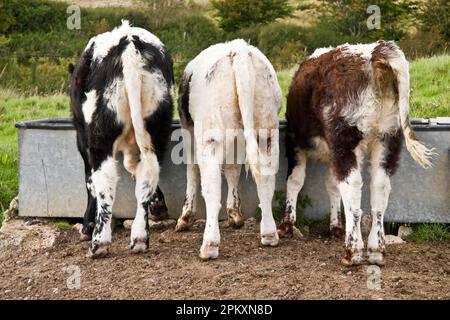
(147, 174)
(336, 228)
(105, 180)
(190, 202)
(157, 208)
(266, 188)
(384, 162)
(294, 185)
(234, 213)
(192, 183)
(211, 181)
(91, 208)
(350, 186)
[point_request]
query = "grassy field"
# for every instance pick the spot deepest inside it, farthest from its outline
(430, 82)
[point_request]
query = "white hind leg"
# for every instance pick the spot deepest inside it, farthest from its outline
(147, 173)
(211, 178)
(192, 182)
(105, 180)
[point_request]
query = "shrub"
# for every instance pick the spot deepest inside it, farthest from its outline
(37, 75)
(237, 14)
(322, 35)
(434, 18)
(24, 15)
(280, 42)
(423, 44)
(349, 18)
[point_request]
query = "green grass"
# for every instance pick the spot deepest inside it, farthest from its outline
(62, 225)
(429, 232)
(284, 79)
(430, 87)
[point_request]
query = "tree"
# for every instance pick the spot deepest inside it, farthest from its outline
(237, 14)
(350, 17)
(435, 18)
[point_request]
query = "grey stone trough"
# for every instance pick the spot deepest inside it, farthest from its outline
(51, 181)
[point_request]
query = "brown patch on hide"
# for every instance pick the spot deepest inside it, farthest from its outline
(393, 145)
(344, 139)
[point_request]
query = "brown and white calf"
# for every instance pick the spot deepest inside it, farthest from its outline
(121, 101)
(344, 103)
(229, 94)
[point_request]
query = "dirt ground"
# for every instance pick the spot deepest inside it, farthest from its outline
(299, 268)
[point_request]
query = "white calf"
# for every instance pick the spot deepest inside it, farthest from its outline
(229, 94)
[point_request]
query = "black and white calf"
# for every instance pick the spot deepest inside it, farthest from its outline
(343, 103)
(122, 101)
(229, 94)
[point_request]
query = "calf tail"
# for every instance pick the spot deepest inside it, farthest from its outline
(245, 88)
(419, 152)
(148, 166)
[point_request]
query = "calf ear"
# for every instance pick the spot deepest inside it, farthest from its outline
(71, 68)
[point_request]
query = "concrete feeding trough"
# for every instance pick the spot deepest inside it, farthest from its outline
(51, 178)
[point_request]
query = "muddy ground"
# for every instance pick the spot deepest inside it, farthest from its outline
(299, 268)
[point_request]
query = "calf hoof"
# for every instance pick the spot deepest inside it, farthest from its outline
(337, 232)
(270, 239)
(235, 219)
(352, 258)
(85, 237)
(98, 250)
(158, 210)
(139, 245)
(184, 222)
(209, 250)
(377, 258)
(86, 232)
(285, 229)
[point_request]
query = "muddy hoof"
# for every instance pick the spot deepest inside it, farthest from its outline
(98, 250)
(235, 219)
(376, 258)
(337, 232)
(85, 237)
(184, 223)
(157, 208)
(158, 212)
(139, 245)
(86, 232)
(285, 229)
(352, 259)
(270, 239)
(209, 250)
